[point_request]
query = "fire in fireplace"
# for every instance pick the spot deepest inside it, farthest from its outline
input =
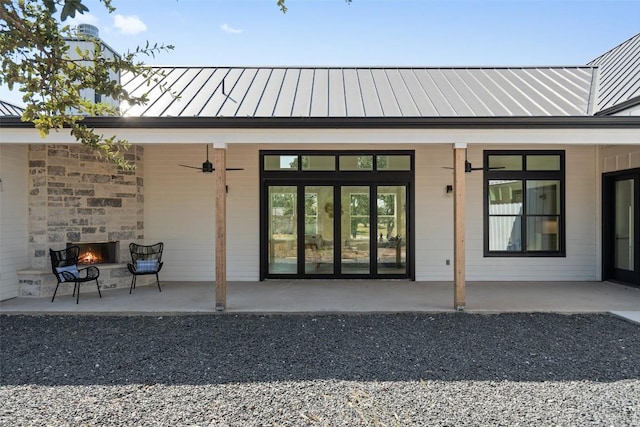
(97, 252)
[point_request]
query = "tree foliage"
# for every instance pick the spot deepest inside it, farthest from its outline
(37, 59)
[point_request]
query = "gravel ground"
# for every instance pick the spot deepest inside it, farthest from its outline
(452, 369)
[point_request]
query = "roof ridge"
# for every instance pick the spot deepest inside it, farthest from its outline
(385, 67)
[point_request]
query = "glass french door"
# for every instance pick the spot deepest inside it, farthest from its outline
(331, 231)
(622, 227)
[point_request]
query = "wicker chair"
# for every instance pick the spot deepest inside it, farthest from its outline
(64, 265)
(145, 260)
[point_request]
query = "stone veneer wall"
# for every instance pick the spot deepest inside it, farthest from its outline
(75, 196)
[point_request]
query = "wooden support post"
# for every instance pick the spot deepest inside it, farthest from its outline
(220, 166)
(459, 151)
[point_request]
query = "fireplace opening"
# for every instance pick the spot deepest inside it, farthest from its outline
(97, 252)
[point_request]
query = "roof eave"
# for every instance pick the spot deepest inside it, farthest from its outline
(597, 121)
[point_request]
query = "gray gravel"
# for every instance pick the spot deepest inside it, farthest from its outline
(451, 369)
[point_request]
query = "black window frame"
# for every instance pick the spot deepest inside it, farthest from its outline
(372, 178)
(525, 175)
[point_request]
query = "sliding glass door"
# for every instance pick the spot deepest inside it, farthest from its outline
(351, 231)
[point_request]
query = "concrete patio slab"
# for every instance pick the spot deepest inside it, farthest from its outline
(343, 296)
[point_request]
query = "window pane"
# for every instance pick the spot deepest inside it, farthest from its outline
(542, 233)
(283, 235)
(356, 230)
(624, 225)
(391, 230)
(505, 197)
(506, 162)
(318, 163)
(543, 197)
(354, 163)
(318, 233)
(505, 233)
(393, 163)
(276, 163)
(543, 163)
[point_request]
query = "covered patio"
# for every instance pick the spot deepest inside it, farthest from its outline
(342, 296)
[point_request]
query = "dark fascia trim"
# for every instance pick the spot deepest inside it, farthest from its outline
(348, 122)
(619, 107)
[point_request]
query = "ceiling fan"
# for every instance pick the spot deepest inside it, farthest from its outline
(207, 166)
(468, 167)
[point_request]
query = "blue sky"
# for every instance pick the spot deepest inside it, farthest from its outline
(367, 32)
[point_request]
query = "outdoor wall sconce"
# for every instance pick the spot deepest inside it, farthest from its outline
(1, 187)
(449, 189)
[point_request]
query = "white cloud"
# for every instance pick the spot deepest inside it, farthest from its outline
(228, 29)
(129, 25)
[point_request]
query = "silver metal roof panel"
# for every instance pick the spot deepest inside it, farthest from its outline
(336, 93)
(366, 92)
(9, 110)
(352, 91)
(618, 74)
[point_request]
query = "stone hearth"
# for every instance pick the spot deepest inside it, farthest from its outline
(42, 283)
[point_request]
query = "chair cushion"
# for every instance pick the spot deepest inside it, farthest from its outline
(73, 269)
(145, 266)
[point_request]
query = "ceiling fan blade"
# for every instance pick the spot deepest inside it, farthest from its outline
(207, 166)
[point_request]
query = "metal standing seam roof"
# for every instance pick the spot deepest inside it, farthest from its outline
(618, 74)
(10, 110)
(365, 92)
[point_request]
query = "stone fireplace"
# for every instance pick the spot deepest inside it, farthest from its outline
(77, 197)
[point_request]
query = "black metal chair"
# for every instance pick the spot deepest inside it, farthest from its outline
(64, 265)
(145, 259)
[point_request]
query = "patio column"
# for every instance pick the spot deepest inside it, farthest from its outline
(459, 151)
(220, 166)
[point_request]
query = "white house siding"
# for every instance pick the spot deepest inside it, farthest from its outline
(179, 210)
(13, 217)
(620, 157)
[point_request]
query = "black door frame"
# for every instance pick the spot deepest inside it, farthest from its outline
(371, 178)
(608, 233)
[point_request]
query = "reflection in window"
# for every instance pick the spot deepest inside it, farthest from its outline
(278, 162)
(386, 216)
(311, 213)
(359, 214)
(282, 230)
(524, 212)
(354, 163)
(318, 163)
(393, 162)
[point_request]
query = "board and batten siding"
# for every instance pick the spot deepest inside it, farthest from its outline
(179, 210)
(620, 157)
(13, 217)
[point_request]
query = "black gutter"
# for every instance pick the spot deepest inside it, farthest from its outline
(585, 122)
